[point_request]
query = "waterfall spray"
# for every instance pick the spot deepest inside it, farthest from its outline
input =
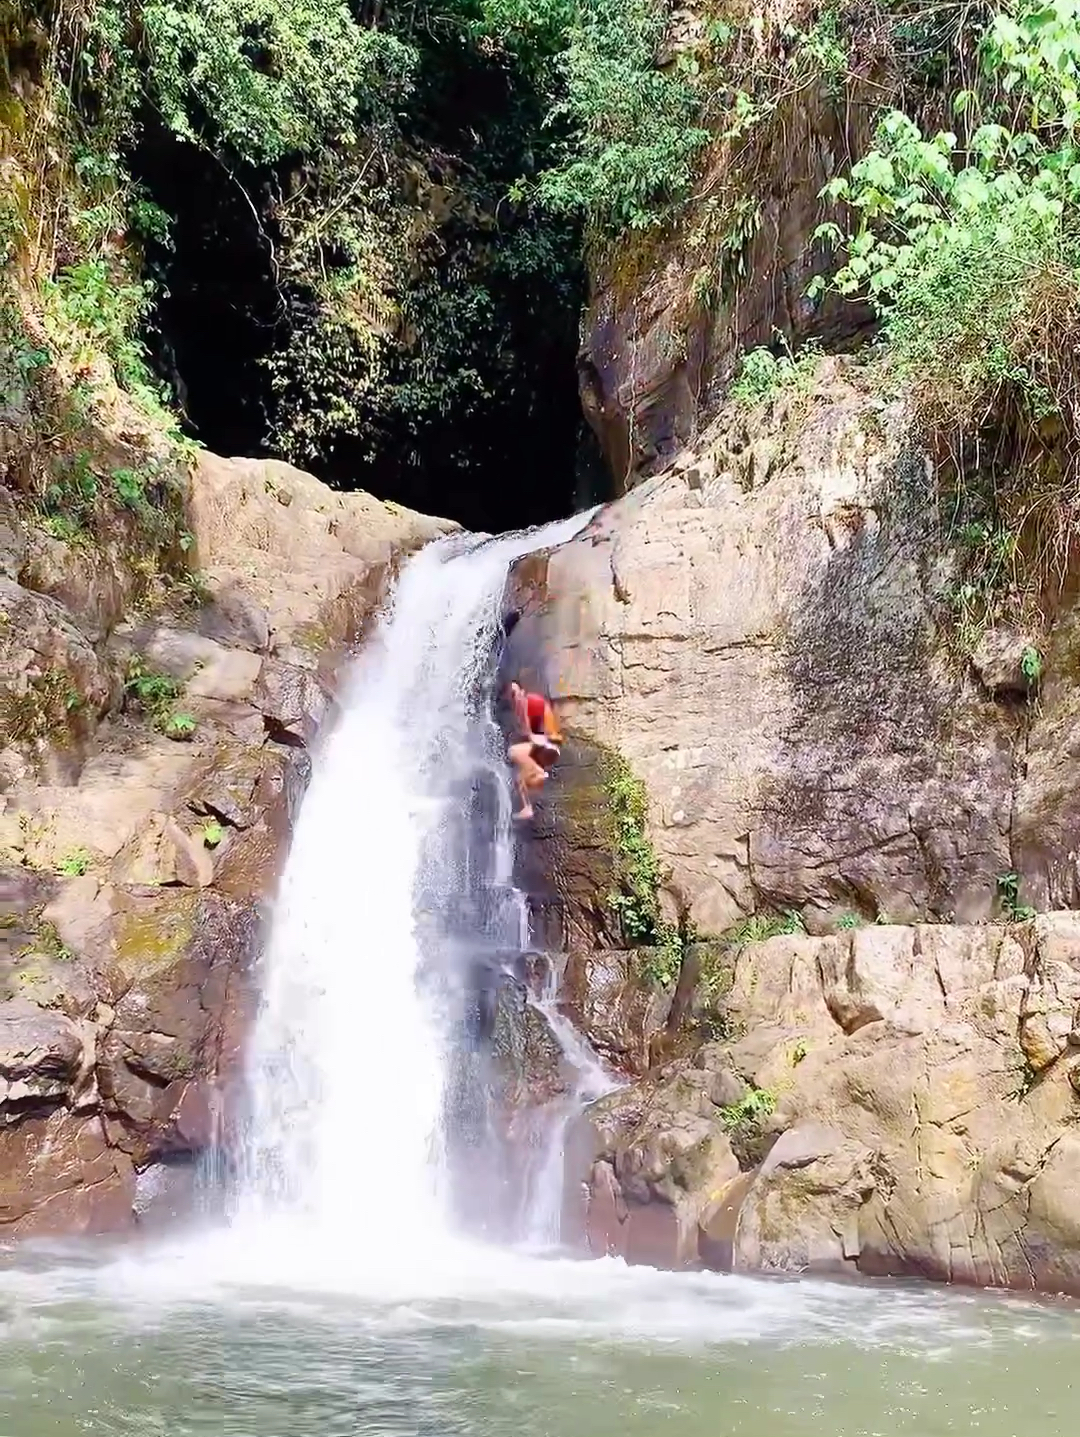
(348, 1064)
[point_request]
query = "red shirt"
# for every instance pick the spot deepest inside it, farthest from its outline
(535, 706)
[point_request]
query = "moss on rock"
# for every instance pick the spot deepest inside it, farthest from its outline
(150, 938)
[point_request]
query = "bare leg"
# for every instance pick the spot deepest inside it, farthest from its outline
(526, 809)
(518, 754)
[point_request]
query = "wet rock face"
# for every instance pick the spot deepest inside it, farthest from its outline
(527, 1057)
(609, 997)
(900, 1101)
(133, 867)
(165, 1064)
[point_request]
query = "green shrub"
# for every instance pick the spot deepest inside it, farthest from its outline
(635, 898)
(762, 374)
(179, 726)
(751, 1110)
(1008, 887)
(968, 244)
(632, 139)
(69, 503)
(761, 926)
(155, 693)
(260, 79)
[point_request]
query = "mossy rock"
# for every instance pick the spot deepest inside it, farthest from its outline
(43, 710)
(314, 637)
(52, 983)
(150, 937)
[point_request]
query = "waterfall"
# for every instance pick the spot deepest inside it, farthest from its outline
(398, 879)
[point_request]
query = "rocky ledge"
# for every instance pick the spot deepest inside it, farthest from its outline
(889, 1100)
(151, 760)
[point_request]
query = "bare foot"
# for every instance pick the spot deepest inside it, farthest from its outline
(526, 813)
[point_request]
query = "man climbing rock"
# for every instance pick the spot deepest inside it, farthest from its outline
(534, 748)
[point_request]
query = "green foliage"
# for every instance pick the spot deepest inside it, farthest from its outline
(75, 864)
(69, 503)
(950, 242)
(632, 140)
(963, 239)
(130, 487)
(149, 688)
(751, 1111)
(47, 943)
(1008, 887)
(1031, 664)
(660, 966)
(637, 868)
(635, 900)
(179, 726)
(822, 48)
(212, 833)
(761, 926)
(258, 79)
(967, 241)
(155, 693)
(987, 552)
(20, 359)
(762, 374)
(418, 174)
(93, 309)
(847, 921)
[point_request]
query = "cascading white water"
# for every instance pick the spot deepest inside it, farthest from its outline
(348, 1062)
(541, 1220)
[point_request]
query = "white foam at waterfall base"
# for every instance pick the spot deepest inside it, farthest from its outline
(347, 1062)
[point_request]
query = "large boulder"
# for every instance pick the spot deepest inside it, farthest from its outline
(289, 559)
(44, 1058)
(611, 998)
(878, 1094)
(660, 1157)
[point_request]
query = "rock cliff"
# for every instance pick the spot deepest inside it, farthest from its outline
(153, 749)
(765, 633)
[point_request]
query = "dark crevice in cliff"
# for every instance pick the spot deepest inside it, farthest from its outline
(217, 303)
(505, 448)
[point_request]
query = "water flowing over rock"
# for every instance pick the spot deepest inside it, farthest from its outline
(403, 942)
(133, 867)
(764, 633)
